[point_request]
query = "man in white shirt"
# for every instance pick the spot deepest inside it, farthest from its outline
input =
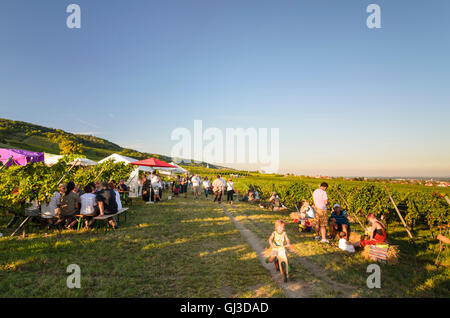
(196, 185)
(320, 203)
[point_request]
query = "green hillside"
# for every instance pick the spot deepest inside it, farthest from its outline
(22, 135)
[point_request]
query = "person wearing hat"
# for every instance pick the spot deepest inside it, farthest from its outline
(339, 221)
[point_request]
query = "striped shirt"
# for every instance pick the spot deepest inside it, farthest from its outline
(340, 219)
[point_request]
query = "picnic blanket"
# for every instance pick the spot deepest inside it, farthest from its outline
(379, 252)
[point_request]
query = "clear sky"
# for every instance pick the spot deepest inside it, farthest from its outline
(348, 100)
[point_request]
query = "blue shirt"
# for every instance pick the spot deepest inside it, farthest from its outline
(340, 219)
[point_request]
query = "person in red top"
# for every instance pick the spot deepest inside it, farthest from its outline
(377, 232)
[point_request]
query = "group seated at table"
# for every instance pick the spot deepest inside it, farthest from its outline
(96, 200)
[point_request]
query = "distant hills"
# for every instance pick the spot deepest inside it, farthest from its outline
(23, 135)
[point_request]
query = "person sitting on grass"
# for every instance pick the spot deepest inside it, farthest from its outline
(339, 221)
(278, 238)
(377, 232)
(344, 244)
(107, 203)
(275, 203)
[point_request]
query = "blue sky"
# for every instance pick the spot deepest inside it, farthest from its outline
(348, 100)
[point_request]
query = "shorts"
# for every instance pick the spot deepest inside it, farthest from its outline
(196, 189)
(321, 217)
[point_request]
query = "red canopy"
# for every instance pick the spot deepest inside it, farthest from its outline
(152, 162)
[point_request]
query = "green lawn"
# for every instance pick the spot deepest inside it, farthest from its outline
(186, 248)
(415, 275)
(172, 249)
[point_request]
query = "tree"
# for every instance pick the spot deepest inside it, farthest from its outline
(69, 147)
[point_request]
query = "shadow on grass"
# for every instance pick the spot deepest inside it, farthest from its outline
(171, 249)
(415, 275)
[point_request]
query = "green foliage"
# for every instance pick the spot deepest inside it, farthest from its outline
(69, 147)
(365, 197)
(35, 181)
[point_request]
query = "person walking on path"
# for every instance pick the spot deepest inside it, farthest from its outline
(196, 180)
(218, 189)
(206, 186)
(320, 206)
(230, 191)
(184, 184)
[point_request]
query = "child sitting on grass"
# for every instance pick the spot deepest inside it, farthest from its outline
(344, 245)
(278, 238)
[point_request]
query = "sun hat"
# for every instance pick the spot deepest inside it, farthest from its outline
(336, 206)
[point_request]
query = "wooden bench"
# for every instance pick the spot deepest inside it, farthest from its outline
(104, 217)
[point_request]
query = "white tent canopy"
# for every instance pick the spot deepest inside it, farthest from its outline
(120, 158)
(50, 160)
(178, 169)
(133, 180)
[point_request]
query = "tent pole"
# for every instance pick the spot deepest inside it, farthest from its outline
(398, 212)
(348, 206)
(4, 165)
(101, 171)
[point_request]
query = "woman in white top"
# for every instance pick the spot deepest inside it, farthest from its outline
(48, 209)
(307, 209)
(88, 201)
(230, 191)
(206, 186)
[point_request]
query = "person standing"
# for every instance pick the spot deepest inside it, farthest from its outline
(230, 191)
(146, 185)
(206, 186)
(184, 184)
(218, 189)
(321, 205)
(224, 185)
(196, 185)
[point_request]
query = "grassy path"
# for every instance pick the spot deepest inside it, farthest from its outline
(345, 276)
(300, 284)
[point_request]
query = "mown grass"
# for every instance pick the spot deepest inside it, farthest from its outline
(176, 248)
(415, 275)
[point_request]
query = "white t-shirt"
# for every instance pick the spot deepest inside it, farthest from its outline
(320, 196)
(119, 203)
(310, 212)
(206, 184)
(229, 186)
(88, 203)
(343, 245)
(48, 210)
(196, 181)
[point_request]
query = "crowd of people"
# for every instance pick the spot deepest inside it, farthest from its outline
(152, 187)
(95, 199)
(104, 198)
(338, 222)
